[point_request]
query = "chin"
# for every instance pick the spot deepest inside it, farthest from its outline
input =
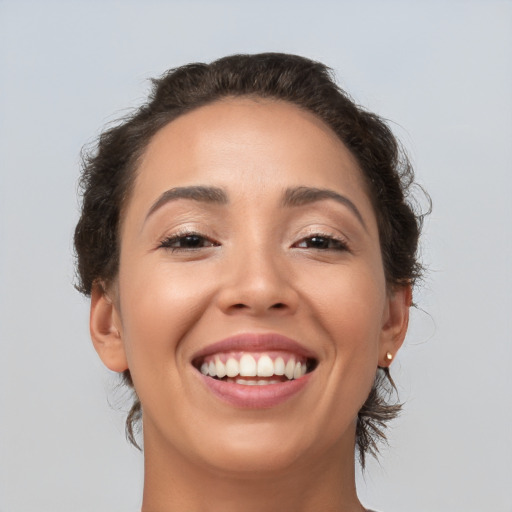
(250, 459)
(256, 448)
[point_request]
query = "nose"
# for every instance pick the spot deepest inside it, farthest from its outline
(258, 283)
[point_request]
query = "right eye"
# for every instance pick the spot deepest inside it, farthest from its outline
(187, 242)
(323, 242)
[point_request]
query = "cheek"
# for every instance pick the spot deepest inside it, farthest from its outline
(159, 306)
(349, 303)
(349, 309)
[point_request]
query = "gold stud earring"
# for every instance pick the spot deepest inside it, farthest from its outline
(389, 356)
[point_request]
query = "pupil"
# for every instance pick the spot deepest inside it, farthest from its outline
(192, 240)
(319, 242)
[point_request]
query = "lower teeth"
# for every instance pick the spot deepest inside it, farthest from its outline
(258, 382)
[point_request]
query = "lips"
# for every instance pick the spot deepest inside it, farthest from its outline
(255, 370)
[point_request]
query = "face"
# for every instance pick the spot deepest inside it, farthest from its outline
(251, 305)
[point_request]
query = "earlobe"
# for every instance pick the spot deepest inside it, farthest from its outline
(395, 323)
(105, 328)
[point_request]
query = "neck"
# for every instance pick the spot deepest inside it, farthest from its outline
(173, 483)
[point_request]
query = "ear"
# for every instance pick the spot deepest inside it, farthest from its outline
(395, 323)
(105, 328)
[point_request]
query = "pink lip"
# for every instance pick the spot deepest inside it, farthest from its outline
(256, 397)
(256, 342)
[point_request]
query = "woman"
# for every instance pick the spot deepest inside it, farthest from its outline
(250, 255)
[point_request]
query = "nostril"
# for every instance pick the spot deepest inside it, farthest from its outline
(261, 308)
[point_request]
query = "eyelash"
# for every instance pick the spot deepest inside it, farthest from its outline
(168, 242)
(336, 244)
(333, 243)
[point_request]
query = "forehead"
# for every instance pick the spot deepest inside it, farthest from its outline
(252, 145)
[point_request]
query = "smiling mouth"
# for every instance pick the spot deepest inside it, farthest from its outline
(255, 368)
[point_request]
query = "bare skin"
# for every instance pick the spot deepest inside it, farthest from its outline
(250, 261)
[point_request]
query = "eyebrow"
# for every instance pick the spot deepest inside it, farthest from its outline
(292, 197)
(212, 195)
(300, 196)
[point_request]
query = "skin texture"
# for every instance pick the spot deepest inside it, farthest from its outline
(256, 272)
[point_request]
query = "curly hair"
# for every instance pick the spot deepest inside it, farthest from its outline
(109, 169)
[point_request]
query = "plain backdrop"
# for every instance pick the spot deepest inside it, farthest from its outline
(440, 71)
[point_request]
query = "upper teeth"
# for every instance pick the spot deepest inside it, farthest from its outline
(248, 366)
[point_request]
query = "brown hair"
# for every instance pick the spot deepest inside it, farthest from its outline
(109, 170)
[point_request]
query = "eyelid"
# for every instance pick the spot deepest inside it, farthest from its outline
(343, 243)
(166, 241)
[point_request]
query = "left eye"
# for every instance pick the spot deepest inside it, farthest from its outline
(322, 242)
(187, 241)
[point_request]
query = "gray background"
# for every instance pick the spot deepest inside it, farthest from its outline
(442, 71)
